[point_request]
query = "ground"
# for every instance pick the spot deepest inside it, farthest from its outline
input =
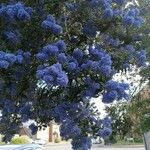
(95, 147)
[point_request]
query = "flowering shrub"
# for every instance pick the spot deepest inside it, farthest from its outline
(55, 56)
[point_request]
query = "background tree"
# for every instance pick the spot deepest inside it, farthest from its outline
(139, 111)
(121, 121)
(145, 34)
(55, 56)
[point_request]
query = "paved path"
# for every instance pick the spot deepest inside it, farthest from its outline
(95, 147)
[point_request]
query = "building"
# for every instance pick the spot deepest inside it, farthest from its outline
(49, 134)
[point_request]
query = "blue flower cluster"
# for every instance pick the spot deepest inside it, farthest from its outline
(106, 122)
(52, 50)
(92, 87)
(80, 142)
(100, 62)
(141, 58)
(47, 52)
(115, 91)
(105, 132)
(111, 41)
(25, 112)
(106, 127)
(69, 129)
(49, 24)
(108, 13)
(53, 75)
(8, 59)
(132, 18)
(59, 80)
(130, 48)
(129, 17)
(16, 12)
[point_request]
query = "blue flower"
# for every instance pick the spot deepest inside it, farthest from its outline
(105, 4)
(47, 78)
(47, 25)
(50, 25)
(27, 55)
(105, 132)
(23, 15)
(111, 85)
(10, 12)
(42, 56)
(106, 60)
(130, 48)
(29, 10)
(50, 50)
(109, 97)
(4, 64)
(62, 58)
(53, 75)
(141, 58)
(72, 66)
(16, 12)
(138, 22)
(56, 29)
(11, 58)
(128, 20)
(51, 19)
(61, 45)
(19, 59)
(108, 13)
(106, 70)
(78, 54)
(40, 74)
(107, 122)
(81, 142)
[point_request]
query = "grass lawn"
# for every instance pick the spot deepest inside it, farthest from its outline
(128, 143)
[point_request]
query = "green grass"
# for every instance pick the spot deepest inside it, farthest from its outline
(128, 143)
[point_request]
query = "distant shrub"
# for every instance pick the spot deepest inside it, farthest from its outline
(20, 140)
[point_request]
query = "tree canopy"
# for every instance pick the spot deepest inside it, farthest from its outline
(56, 55)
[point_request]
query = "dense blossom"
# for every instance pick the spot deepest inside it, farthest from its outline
(115, 91)
(131, 18)
(141, 58)
(55, 57)
(16, 12)
(53, 75)
(83, 143)
(8, 59)
(105, 132)
(50, 25)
